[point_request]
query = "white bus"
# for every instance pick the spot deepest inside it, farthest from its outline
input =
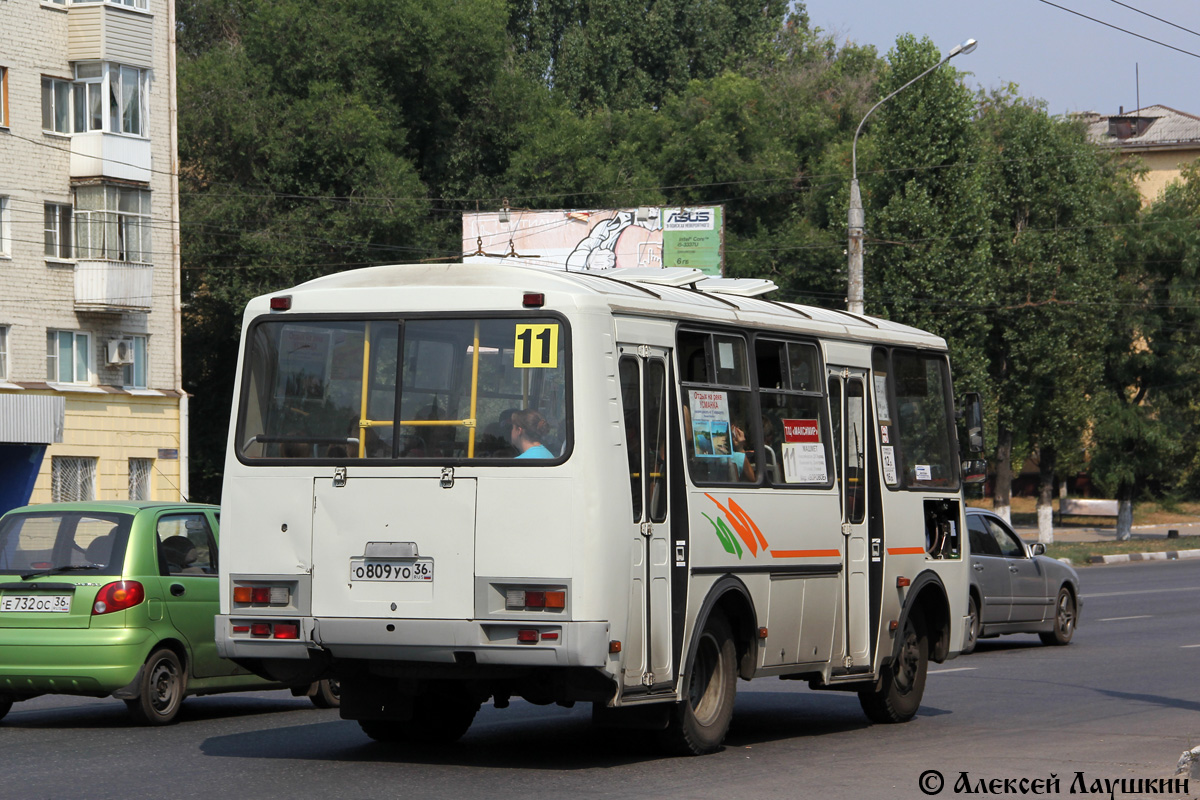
(453, 483)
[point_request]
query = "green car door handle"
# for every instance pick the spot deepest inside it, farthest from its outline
(177, 589)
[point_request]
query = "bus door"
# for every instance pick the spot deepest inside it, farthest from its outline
(848, 411)
(647, 648)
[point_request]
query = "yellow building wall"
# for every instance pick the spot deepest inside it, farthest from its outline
(1163, 168)
(114, 428)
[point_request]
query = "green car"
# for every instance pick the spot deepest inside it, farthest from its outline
(116, 598)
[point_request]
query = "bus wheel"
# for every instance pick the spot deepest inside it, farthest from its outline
(443, 715)
(384, 730)
(440, 715)
(698, 724)
(897, 696)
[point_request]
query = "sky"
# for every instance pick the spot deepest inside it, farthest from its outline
(1072, 63)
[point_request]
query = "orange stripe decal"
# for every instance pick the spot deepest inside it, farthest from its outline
(805, 553)
(906, 551)
(739, 526)
(744, 518)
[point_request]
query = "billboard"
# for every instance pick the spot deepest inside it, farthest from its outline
(588, 240)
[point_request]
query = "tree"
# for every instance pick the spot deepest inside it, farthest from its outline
(927, 261)
(1148, 424)
(625, 54)
(1054, 199)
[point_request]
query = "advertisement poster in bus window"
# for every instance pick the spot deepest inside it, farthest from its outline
(710, 423)
(303, 363)
(803, 454)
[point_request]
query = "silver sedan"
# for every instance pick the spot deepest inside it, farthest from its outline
(1015, 588)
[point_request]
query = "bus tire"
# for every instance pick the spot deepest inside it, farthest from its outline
(443, 715)
(162, 689)
(385, 730)
(440, 715)
(897, 695)
(699, 723)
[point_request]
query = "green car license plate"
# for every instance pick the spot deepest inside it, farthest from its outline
(50, 603)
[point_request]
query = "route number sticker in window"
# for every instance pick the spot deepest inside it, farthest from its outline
(536, 346)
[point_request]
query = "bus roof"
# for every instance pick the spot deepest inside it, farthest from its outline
(499, 287)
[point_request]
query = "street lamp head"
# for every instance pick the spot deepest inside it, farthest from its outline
(966, 47)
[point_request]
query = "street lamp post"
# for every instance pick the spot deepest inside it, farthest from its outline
(854, 292)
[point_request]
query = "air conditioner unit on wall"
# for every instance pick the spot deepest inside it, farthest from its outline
(120, 352)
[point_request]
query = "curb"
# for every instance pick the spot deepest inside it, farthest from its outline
(1166, 555)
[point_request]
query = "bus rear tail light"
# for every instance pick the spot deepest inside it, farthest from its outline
(286, 630)
(118, 596)
(535, 599)
(260, 629)
(246, 595)
(528, 636)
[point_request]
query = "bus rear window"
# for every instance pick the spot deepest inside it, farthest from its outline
(444, 389)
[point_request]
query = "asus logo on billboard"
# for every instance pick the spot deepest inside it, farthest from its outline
(690, 216)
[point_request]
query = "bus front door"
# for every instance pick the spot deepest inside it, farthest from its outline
(848, 410)
(648, 661)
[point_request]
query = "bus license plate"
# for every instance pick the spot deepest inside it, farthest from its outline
(58, 603)
(362, 569)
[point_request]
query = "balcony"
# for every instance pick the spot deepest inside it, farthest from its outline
(113, 286)
(110, 155)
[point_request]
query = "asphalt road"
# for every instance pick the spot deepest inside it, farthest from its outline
(1119, 702)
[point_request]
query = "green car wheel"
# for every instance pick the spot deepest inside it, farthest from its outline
(162, 689)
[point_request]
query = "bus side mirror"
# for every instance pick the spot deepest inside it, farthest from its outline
(974, 468)
(973, 413)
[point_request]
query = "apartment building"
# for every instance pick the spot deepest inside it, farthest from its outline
(1161, 138)
(91, 397)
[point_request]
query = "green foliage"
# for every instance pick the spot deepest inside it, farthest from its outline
(625, 54)
(1147, 435)
(1055, 199)
(928, 260)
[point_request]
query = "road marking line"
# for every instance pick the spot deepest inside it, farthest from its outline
(1186, 646)
(1118, 619)
(958, 669)
(1142, 591)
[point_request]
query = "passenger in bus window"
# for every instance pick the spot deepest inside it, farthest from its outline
(529, 427)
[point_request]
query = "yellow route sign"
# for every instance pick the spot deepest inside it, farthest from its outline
(536, 346)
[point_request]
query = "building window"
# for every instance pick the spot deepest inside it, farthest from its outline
(125, 88)
(72, 479)
(56, 105)
(58, 230)
(5, 228)
(112, 223)
(3, 353)
(68, 357)
(79, 106)
(139, 478)
(3, 97)
(135, 373)
(142, 4)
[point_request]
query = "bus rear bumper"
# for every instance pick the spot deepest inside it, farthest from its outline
(561, 644)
